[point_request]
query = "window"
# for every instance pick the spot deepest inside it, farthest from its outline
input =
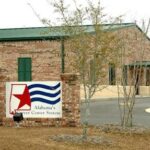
(24, 69)
(125, 75)
(112, 74)
(92, 72)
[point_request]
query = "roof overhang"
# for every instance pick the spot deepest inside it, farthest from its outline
(140, 64)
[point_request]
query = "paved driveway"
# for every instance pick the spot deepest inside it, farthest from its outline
(107, 111)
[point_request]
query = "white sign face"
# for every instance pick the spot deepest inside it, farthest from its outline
(34, 99)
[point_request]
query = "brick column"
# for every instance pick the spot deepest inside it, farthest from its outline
(3, 79)
(71, 99)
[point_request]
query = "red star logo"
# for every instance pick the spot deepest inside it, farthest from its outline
(24, 98)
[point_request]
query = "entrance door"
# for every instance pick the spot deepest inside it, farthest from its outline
(137, 85)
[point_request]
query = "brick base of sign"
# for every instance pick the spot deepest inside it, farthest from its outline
(70, 107)
(40, 122)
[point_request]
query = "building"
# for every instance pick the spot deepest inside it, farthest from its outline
(135, 67)
(34, 54)
(38, 54)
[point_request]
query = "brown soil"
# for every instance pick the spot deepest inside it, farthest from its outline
(42, 139)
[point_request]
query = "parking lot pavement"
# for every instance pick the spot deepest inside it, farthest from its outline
(106, 111)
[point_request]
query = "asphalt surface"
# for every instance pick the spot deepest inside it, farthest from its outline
(106, 111)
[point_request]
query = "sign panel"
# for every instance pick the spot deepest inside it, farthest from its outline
(34, 99)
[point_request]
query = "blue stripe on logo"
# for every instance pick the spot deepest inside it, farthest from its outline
(45, 100)
(44, 93)
(44, 86)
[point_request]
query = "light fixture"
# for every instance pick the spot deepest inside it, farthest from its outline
(17, 117)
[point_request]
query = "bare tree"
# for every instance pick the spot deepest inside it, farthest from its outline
(134, 71)
(92, 47)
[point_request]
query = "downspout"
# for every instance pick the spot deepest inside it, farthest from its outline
(62, 55)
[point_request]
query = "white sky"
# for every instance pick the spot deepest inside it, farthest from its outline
(17, 13)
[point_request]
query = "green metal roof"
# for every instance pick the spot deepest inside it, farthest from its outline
(140, 63)
(37, 33)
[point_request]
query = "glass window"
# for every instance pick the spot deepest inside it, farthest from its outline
(112, 74)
